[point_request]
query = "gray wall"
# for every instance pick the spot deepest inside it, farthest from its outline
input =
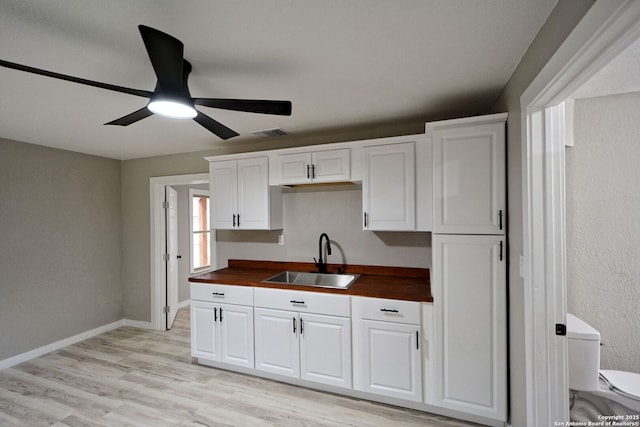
(562, 20)
(60, 240)
(336, 211)
(603, 232)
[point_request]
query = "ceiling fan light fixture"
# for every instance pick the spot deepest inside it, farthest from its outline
(172, 108)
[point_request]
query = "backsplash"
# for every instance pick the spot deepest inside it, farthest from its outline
(337, 211)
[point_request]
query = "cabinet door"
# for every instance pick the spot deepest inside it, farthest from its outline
(325, 349)
(391, 364)
(294, 168)
(205, 342)
(331, 165)
(388, 187)
(223, 178)
(469, 293)
(253, 194)
(469, 179)
(236, 335)
(276, 339)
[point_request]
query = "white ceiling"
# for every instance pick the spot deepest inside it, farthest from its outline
(340, 62)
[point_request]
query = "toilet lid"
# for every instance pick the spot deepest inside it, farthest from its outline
(624, 383)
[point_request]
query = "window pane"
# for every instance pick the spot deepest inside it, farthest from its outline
(200, 256)
(200, 209)
(200, 251)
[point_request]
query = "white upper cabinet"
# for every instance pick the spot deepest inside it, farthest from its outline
(312, 167)
(223, 178)
(241, 196)
(388, 187)
(469, 175)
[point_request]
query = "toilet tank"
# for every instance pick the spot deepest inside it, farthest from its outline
(584, 354)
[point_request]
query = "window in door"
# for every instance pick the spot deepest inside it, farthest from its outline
(199, 230)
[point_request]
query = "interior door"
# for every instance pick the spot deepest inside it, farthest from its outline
(172, 249)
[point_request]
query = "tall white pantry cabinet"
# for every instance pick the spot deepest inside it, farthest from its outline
(469, 265)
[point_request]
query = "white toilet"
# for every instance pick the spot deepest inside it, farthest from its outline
(599, 393)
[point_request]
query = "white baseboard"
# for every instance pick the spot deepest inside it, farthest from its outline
(137, 324)
(36, 352)
(184, 303)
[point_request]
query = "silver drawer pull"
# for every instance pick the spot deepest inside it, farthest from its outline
(389, 310)
(217, 294)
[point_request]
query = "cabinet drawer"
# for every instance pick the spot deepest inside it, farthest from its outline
(304, 302)
(229, 294)
(388, 310)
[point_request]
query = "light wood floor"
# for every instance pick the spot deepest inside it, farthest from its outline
(136, 377)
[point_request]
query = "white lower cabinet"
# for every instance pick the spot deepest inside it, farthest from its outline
(449, 354)
(470, 324)
(222, 332)
(277, 342)
(325, 349)
(387, 353)
(300, 344)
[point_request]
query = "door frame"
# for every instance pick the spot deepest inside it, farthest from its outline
(157, 221)
(606, 30)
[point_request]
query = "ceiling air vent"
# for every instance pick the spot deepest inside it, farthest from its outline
(270, 133)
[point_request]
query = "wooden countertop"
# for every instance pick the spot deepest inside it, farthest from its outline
(411, 284)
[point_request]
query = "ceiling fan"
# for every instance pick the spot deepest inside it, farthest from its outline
(171, 97)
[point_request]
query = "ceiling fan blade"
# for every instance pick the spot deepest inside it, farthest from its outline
(215, 127)
(131, 118)
(19, 67)
(166, 55)
(282, 108)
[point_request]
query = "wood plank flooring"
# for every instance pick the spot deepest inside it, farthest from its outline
(136, 377)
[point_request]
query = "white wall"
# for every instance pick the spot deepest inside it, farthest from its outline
(603, 224)
(336, 211)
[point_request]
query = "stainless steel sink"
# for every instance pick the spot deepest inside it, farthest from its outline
(320, 280)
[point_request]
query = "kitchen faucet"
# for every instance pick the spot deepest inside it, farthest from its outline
(322, 266)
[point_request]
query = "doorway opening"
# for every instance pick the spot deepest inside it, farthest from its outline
(606, 30)
(160, 265)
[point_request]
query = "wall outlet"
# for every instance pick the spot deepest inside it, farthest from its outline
(281, 239)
